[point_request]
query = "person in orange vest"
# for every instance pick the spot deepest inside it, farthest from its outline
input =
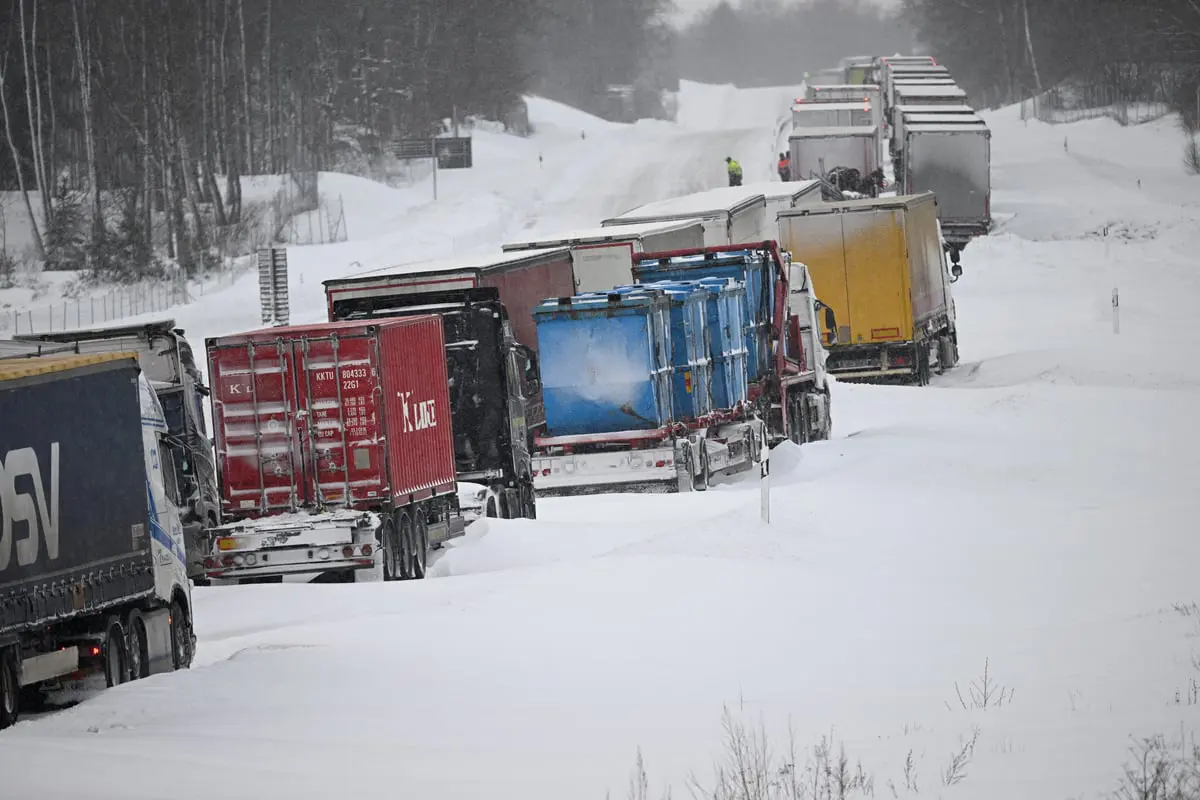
(785, 167)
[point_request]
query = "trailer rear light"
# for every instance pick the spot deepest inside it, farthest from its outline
(210, 562)
(94, 651)
(660, 463)
(347, 552)
(367, 549)
(228, 543)
(545, 472)
(227, 561)
(239, 560)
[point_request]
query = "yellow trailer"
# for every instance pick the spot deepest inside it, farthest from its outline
(880, 265)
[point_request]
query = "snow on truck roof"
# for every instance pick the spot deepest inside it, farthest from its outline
(924, 108)
(827, 132)
(622, 233)
(892, 201)
(468, 263)
(933, 90)
(777, 190)
(948, 127)
(836, 105)
(723, 200)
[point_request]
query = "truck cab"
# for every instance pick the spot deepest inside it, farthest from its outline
(495, 392)
(168, 363)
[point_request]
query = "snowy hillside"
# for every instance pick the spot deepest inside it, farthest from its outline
(1032, 514)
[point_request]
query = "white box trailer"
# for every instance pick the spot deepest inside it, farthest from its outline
(891, 91)
(729, 214)
(929, 94)
(604, 257)
(841, 93)
(834, 114)
(903, 113)
(952, 160)
(815, 151)
(782, 195)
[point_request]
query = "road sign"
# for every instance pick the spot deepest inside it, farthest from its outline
(412, 148)
(454, 153)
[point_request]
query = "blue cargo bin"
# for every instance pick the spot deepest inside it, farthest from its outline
(726, 323)
(606, 362)
(747, 267)
(690, 349)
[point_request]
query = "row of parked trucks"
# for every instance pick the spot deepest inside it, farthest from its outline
(670, 345)
(903, 115)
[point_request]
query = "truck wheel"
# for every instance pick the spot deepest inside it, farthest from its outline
(405, 563)
(137, 646)
(10, 689)
(181, 637)
(391, 549)
(529, 500)
(492, 510)
(420, 545)
(116, 659)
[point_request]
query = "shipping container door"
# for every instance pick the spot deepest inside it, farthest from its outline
(876, 276)
(255, 416)
(341, 441)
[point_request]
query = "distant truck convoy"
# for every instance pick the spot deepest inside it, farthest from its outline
(335, 448)
(881, 265)
(603, 257)
(903, 113)
(816, 151)
(93, 576)
(730, 215)
(950, 156)
(867, 95)
(495, 388)
(168, 363)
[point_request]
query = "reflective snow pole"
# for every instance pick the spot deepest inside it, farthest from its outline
(1116, 312)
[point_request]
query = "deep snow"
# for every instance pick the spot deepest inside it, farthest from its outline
(1035, 509)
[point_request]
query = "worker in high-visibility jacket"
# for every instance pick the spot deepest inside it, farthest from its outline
(785, 167)
(735, 171)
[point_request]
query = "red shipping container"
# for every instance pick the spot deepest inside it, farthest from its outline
(342, 414)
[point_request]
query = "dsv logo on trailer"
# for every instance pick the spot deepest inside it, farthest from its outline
(39, 510)
(418, 416)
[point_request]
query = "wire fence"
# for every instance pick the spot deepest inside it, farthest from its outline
(71, 313)
(1065, 104)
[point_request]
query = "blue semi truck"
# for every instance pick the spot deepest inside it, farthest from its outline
(684, 375)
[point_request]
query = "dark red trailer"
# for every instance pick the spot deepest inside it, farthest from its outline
(524, 279)
(334, 442)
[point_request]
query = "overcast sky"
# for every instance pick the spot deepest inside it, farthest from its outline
(689, 8)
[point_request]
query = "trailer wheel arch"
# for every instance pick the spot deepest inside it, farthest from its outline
(10, 687)
(180, 605)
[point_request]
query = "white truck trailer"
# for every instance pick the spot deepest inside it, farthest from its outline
(782, 195)
(604, 257)
(952, 159)
(815, 151)
(834, 114)
(902, 113)
(730, 215)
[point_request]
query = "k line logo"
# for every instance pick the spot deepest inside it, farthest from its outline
(39, 510)
(419, 415)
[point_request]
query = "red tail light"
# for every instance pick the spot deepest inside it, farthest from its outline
(366, 550)
(347, 551)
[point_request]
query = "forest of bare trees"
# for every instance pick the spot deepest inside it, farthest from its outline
(1003, 51)
(774, 42)
(127, 124)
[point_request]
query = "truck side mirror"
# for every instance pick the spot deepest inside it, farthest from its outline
(956, 271)
(831, 322)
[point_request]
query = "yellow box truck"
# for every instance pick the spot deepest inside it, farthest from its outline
(880, 265)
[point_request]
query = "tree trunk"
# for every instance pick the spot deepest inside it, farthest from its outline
(38, 244)
(83, 60)
(248, 155)
(33, 109)
(1037, 78)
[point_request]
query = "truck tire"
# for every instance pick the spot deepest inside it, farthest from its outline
(182, 651)
(137, 646)
(391, 549)
(404, 526)
(529, 501)
(116, 657)
(420, 545)
(10, 689)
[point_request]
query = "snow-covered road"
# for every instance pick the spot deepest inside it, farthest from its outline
(1033, 510)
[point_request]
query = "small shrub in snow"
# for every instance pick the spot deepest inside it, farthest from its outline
(983, 692)
(1160, 771)
(956, 770)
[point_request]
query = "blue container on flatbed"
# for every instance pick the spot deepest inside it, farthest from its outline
(747, 267)
(727, 341)
(691, 354)
(606, 362)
